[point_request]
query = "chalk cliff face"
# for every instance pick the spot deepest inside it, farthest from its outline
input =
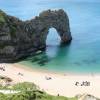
(19, 39)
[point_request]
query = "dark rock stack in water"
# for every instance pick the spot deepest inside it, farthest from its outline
(19, 39)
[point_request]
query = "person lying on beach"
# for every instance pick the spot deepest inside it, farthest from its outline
(48, 78)
(2, 68)
(20, 74)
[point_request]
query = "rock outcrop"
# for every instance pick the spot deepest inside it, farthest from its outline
(19, 39)
(86, 97)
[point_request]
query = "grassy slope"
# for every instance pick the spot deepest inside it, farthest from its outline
(32, 95)
(29, 91)
(2, 18)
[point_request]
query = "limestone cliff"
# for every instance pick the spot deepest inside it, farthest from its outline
(19, 39)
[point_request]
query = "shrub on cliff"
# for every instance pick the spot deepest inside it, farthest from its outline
(26, 86)
(2, 18)
(33, 95)
(29, 91)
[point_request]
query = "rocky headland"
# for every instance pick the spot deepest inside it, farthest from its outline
(19, 39)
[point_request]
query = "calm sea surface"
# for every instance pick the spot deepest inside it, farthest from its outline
(83, 54)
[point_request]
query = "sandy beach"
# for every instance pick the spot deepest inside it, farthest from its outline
(68, 85)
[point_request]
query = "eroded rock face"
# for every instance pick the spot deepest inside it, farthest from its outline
(86, 97)
(19, 39)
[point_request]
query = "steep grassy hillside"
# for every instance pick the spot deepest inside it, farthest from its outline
(29, 91)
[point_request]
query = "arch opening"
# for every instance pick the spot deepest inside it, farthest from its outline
(53, 38)
(53, 41)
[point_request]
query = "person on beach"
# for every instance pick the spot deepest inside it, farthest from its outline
(2, 68)
(58, 94)
(48, 78)
(20, 74)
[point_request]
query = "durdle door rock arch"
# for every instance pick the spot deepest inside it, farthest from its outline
(19, 39)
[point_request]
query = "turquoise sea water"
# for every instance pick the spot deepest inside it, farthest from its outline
(83, 54)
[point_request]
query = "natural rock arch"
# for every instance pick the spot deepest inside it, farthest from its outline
(19, 39)
(48, 19)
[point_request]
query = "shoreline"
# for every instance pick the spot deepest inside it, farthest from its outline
(57, 84)
(55, 72)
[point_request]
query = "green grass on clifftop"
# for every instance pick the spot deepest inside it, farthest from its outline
(29, 91)
(32, 95)
(2, 19)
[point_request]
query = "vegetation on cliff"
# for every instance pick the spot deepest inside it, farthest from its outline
(32, 95)
(2, 18)
(29, 91)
